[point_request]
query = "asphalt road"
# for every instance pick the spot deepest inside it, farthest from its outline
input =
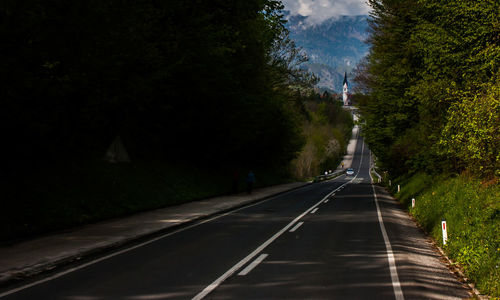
(330, 240)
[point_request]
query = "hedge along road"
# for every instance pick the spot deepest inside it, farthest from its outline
(329, 240)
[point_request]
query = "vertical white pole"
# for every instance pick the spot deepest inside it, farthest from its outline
(390, 183)
(445, 233)
(399, 188)
(412, 202)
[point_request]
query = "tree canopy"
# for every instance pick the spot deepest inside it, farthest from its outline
(205, 80)
(433, 77)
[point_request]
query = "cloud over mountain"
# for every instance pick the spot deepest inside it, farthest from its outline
(318, 11)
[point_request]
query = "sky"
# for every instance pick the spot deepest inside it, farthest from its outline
(319, 10)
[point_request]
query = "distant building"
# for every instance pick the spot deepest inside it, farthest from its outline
(345, 95)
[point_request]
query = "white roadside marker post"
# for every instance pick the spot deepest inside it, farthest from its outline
(412, 202)
(399, 188)
(390, 183)
(445, 233)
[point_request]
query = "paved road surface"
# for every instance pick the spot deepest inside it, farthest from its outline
(323, 241)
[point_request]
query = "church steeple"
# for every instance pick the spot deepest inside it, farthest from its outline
(345, 96)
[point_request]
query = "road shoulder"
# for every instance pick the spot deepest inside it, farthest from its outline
(423, 271)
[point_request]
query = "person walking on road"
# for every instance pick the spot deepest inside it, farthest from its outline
(250, 181)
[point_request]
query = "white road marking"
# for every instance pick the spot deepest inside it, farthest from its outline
(251, 266)
(203, 293)
(398, 293)
(60, 274)
(296, 226)
(71, 270)
(326, 201)
(259, 249)
(314, 210)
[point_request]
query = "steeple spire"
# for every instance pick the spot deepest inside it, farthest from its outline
(345, 95)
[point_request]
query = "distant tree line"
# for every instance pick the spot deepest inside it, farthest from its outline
(209, 81)
(327, 129)
(433, 85)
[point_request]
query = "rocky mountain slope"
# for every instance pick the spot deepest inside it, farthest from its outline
(335, 46)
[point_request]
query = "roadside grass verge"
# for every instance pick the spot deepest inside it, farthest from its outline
(374, 177)
(77, 193)
(472, 213)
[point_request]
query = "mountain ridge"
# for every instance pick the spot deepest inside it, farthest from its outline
(333, 46)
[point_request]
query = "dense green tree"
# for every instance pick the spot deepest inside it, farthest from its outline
(472, 132)
(196, 90)
(430, 63)
(198, 80)
(390, 65)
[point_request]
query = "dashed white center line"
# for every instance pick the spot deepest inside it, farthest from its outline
(259, 249)
(251, 266)
(207, 290)
(326, 201)
(296, 226)
(314, 210)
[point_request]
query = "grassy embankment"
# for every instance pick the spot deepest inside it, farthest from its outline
(471, 209)
(78, 193)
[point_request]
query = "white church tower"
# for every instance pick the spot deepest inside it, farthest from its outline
(344, 93)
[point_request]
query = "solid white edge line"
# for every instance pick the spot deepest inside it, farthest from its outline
(259, 249)
(398, 292)
(296, 227)
(60, 274)
(251, 266)
(9, 292)
(245, 260)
